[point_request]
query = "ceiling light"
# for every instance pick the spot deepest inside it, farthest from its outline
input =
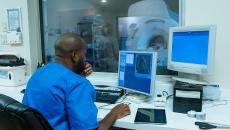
(103, 1)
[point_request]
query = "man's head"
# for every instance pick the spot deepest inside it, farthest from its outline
(70, 50)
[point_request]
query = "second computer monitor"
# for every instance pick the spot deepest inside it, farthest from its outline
(191, 49)
(137, 71)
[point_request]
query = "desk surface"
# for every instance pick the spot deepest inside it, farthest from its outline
(175, 121)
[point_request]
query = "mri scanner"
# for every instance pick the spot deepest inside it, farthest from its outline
(147, 27)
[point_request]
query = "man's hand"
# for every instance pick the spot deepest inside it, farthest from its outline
(120, 111)
(88, 69)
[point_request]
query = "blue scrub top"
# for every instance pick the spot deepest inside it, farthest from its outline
(64, 98)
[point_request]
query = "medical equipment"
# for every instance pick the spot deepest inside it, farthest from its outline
(187, 97)
(12, 70)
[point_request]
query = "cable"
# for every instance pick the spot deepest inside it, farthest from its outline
(169, 96)
(124, 97)
(103, 107)
(164, 93)
(214, 103)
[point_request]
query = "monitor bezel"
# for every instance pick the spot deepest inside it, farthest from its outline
(153, 72)
(189, 67)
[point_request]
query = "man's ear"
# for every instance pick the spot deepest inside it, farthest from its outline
(75, 57)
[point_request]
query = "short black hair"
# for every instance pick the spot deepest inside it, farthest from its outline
(68, 43)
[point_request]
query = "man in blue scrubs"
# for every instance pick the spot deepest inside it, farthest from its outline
(63, 95)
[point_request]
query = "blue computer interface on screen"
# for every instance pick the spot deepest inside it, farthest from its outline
(135, 70)
(190, 47)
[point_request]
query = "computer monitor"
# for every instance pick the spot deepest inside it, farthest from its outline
(191, 49)
(137, 71)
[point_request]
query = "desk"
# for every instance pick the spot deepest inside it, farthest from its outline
(175, 121)
(14, 92)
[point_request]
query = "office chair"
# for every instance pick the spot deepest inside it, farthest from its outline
(16, 116)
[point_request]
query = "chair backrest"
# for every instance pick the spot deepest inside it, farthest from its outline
(17, 116)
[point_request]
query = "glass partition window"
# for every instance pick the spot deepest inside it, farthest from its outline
(108, 26)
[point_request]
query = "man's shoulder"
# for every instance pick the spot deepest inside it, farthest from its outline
(73, 78)
(58, 72)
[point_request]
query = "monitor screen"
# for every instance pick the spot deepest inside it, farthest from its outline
(190, 47)
(136, 71)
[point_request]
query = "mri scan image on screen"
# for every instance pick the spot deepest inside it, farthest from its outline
(142, 64)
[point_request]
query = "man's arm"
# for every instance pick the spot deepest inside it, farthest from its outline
(117, 112)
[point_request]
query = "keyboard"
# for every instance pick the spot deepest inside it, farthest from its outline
(107, 96)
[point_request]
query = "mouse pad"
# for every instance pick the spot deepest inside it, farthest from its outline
(146, 115)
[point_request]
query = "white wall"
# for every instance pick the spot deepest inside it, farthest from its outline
(30, 49)
(214, 12)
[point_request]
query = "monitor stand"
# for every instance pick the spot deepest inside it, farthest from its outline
(189, 78)
(137, 97)
(190, 81)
